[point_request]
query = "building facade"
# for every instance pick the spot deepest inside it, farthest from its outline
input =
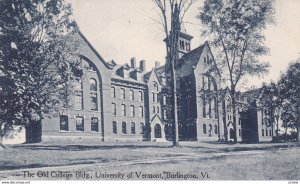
(113, 102)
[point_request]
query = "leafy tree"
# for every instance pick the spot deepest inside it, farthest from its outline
(290, 88)
(236, 30)
(36, 62)
(271, 99)
(172, 13)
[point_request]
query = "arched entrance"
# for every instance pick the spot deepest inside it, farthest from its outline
(231, 133)
(157, 131)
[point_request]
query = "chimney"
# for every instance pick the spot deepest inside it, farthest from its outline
(157, 64)
(142, 65)
(133, 62)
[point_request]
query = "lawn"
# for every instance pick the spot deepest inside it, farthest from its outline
(203, 160)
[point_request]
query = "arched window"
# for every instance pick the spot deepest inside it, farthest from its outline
(93, 85)
(155, 86)
(93, 94)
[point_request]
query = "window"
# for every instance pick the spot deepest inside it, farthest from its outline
(124, 128)
(210, 129)
(93, 94)
(155, 86)
(132, 111)
(153, 109)
(141, 110)
(113, 92)
(79, 123)
(240, 132)
(141, 128)
(270, 133)
(267, 132)
(78, 100)
(114, 109)
(153, 97)
(204, 129)
(132, 127)
(94, 125)
(123, 109)
(203, 108)
(122, 93)
(64, 123)
(262, 132)
(141, 96)
(131, 95)
(165, 114)
(93, 85)
(240, 120)
(114, 126)
(94, 105)
(216, 129)
(157, 109)
(209, 109)
(262, 117)
(164, 100)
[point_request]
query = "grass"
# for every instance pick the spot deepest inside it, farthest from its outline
(220, 161)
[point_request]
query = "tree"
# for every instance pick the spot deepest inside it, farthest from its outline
(36, 62)
(271, 99)
(172, 13)
(290, 88)
(236, 30)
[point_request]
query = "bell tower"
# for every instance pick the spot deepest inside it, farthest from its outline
(184, 42)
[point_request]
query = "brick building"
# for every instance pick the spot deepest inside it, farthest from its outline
(113, 102)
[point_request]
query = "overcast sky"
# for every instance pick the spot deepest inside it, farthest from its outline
(121, 29)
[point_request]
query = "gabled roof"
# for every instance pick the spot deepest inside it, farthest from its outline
(157, 115)
(92, 48)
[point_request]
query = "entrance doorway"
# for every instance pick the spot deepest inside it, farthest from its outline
(157, 131)
(231, 133)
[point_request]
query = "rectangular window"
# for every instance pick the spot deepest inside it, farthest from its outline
(262, 132)
(114, 109)
(94, 125)
(270, 133)
(204, 129)
(132, 127)
(124, 128)
(64, 123)
(141, 111)
(94, 105)
(123, 109)
(240, 132)
(203, 108)
(113, 92)
(209, 109)
(78, 100)
(157, 109)
(132, 111)
(267, 132)
(164, 100)
(79, 123)
(141, 128)
(153, 109)
(114, 127)
(154, 97)
(165, 114)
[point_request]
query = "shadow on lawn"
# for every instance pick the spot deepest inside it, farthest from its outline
(85, 147)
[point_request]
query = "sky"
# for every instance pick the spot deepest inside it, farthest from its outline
(122, 29)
